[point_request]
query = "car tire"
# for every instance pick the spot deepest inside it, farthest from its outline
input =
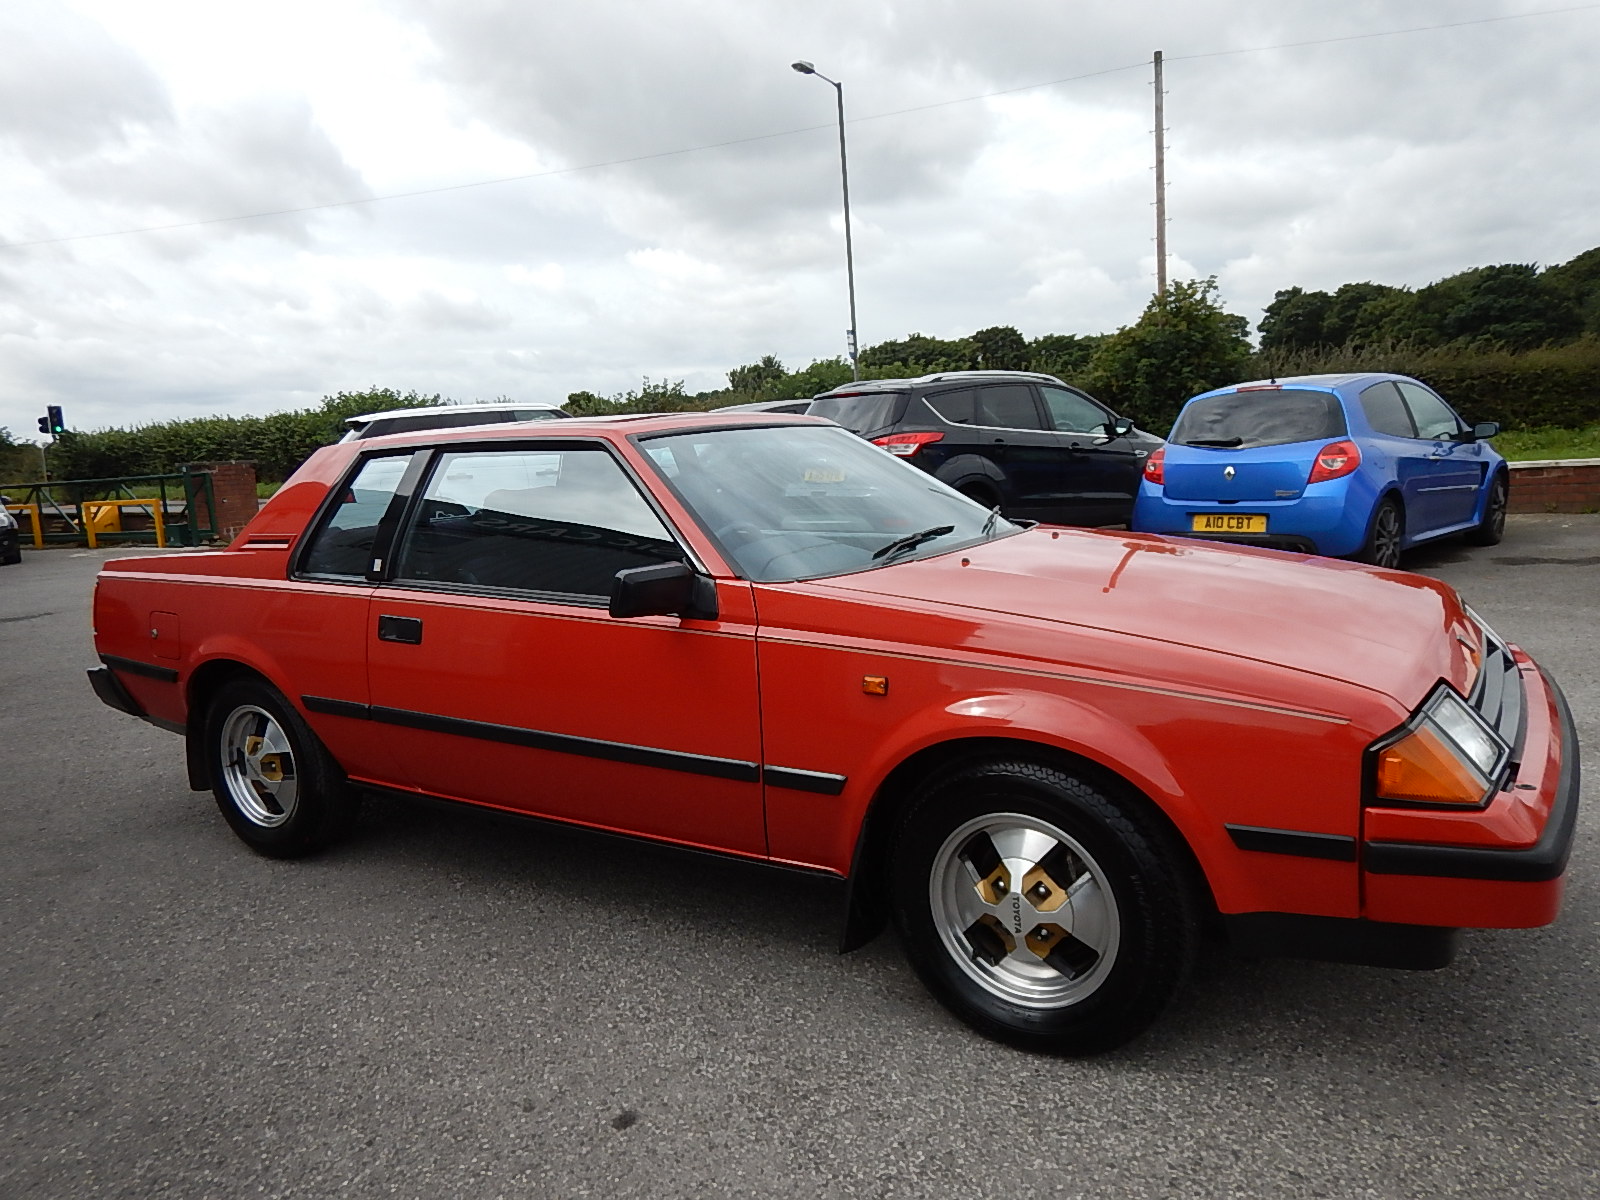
(1077, 956)
(1384, 535)
(1492, 528)
(11, 559)
(277, 786)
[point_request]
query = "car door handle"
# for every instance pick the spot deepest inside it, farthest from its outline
(400, 629)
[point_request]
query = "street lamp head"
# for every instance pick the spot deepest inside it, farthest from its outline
(804, 68)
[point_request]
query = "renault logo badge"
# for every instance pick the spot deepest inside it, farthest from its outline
(1227, 472)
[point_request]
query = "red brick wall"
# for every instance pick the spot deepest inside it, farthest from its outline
(234, 486)
(1566, 487)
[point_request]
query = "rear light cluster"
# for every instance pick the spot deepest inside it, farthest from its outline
(1334, 461)
(1155, 467)
(904, 445)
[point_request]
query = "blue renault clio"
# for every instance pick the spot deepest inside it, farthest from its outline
(1353, 466)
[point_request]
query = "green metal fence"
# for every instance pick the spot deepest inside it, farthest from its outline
(181, 509)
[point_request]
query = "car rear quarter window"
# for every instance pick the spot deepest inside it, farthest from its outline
(345, 541)
(958, 408)
(560, 523)
(1385, 411)
(1260, 417)
(865, 413)
(1431, 414)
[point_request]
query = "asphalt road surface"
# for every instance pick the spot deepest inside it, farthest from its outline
(455, 1004)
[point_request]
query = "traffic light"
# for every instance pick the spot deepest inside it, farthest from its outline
(53, 422)
(44, 424)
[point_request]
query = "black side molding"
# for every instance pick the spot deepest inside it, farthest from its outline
(820, 782)
(1342, 940)
(134, 667)
(1331, 846)
(1545, 860)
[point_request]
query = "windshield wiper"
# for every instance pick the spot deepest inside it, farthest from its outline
(912, 540)
(1233, 441)
(989, 521)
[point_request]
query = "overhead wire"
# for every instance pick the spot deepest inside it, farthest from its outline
(782, 133)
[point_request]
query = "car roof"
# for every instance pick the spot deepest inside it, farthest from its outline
(863, 386)
(1355, 380)
(610, 427)
(497, 406)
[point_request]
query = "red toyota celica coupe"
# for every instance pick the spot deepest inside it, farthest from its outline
(1054, 758)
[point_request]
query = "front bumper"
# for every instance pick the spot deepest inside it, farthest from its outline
(1500, 868)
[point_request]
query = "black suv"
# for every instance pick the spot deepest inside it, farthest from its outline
(1026, 442)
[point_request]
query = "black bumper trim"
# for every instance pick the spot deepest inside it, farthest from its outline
(134, 667)
(1341, 939)
(111, 692)
(1331, 846)
(1541, 862)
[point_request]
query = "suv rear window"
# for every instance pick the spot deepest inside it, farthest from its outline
(863, 414)
(1268, 417)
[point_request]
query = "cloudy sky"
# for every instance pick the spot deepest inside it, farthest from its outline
(523, 198)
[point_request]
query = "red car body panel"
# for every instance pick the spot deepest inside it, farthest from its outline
(1232, 687)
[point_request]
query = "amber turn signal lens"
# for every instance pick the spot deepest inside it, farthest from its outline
(1421, 767)
(875, 685)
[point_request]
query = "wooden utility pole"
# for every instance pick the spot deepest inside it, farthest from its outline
(1161, 184)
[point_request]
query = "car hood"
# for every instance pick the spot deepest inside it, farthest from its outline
(1390, 631)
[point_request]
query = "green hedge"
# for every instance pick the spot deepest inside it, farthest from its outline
(277, 443)
(1557, 386)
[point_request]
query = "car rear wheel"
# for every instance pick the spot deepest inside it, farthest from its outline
(1384, 536)
(277, 786)
(1492, 528)
(1039, 909)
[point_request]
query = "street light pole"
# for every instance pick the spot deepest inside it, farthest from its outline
(806, 68)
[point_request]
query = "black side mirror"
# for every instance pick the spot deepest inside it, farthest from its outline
(1121, 427)
(669, 589)
(1484, 430)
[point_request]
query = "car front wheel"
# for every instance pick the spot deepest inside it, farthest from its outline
(1039, 909)
(276, 785)
(1492, 528)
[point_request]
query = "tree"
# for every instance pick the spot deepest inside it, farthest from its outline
(1295, 320)
(1504, 305)
(1578, 279)
(1184, 343)
(587, 404)
(918, 355)
(1064, 355)
(757, 379)
(1000, 348)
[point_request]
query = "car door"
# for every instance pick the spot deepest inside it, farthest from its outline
(494, 658)
(1103, 469)
(1036, 460)
(1450, 472)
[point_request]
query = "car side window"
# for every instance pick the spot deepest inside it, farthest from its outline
(1386, 411)
(958, 408)
(1432, 415)
(344, 543)
(1073, 412)
(560, 523)
(1008, 406)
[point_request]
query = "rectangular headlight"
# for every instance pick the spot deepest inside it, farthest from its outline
(1446, 754)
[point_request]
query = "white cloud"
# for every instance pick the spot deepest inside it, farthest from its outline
(1399, 159)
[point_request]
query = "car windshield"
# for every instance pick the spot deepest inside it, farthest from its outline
(1264, 417)
(800, 502)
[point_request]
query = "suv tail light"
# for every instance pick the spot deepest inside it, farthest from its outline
(1155, 467)
(1334, 460)
(904, 445)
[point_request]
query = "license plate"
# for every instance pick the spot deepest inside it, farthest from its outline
(824, 475)
(1228, 523)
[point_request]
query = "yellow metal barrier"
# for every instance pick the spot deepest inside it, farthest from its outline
(32, 513)
(94, 521)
